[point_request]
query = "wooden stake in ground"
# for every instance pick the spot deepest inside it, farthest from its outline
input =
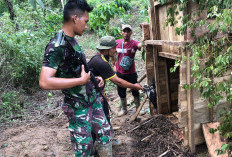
(139, 109)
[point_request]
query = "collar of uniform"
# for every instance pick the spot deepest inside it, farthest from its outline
(104, 58)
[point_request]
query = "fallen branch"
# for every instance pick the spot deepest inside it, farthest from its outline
(147, 137)
(131, 107)
(140, 125)
(164, 153)
(139, 109)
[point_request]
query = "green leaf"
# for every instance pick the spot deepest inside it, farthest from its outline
(33, 3)
(50, 94)
(224, 147)
(41, 4)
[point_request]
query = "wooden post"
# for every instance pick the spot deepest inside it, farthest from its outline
(190, 104)
(149, 55)
(153, 36)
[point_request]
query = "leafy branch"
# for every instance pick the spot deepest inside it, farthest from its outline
(211, 52)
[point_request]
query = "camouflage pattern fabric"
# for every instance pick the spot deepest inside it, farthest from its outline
(84, 120)
(82, 104)
(63, 60)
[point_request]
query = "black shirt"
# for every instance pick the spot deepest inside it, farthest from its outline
(101, 67)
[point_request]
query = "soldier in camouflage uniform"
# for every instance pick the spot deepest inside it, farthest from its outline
(62, 70)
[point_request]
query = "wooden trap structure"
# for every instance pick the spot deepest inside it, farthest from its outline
(162, 49)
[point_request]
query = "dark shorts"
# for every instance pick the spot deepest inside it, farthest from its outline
(132, 78)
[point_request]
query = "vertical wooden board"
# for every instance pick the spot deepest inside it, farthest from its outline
(145, 31)
(149, 63)
(198, 135)
(190, 107)
(149, 49)
(213, 141)
(172, 34)
(156, 76)
(164, 31)
(167, 87)
(152, 19)
(182, 95)
(196, 94)
(163, 86)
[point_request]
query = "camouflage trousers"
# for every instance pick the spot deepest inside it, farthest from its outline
(84, 120)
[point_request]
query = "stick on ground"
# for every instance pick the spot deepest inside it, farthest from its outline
(139, 109)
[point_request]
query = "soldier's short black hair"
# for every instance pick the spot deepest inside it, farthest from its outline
(75, 7)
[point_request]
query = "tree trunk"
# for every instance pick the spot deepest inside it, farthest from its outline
(10, 9)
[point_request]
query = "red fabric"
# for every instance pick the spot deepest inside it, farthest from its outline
(130, 49)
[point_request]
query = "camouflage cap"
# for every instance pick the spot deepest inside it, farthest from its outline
(107, 42)
(127, 26)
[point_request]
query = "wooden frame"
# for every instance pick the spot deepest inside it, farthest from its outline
(161, 46)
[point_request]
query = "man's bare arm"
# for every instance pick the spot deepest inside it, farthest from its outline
(122, 83)
(48, 80)
(139, 46)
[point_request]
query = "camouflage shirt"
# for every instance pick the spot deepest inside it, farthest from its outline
(62, 59)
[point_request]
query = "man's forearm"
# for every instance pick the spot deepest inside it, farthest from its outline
(54, 83)
(122, 83)
(48, 80)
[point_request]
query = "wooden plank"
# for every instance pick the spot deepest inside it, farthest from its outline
(190, 107)
(213, 141)
(165, 42)
(145, 31)
(156, 75)
(172, 33)
(201, 112)
(156, 3)
(149, 63)
(199, 137)
(152, 25)
(152, 19)
(164, 98)
(153, 33)
(170, 55)
(167, 87)
(164, 31)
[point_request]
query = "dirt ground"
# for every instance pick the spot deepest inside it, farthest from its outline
(45, 134)
(148, 136)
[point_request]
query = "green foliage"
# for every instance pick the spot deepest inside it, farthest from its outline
(226, 123)
(22, 45)
(211, 58)
(104, 12)
(109, 86)
(10, 107)
(3, 7)
(123, 4)
(34, 2)
(224, 149)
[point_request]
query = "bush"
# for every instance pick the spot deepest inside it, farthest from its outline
(22, 50)
(104, 12)
(11, 107)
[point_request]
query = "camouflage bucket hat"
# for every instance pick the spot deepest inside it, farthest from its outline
(107, 42)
